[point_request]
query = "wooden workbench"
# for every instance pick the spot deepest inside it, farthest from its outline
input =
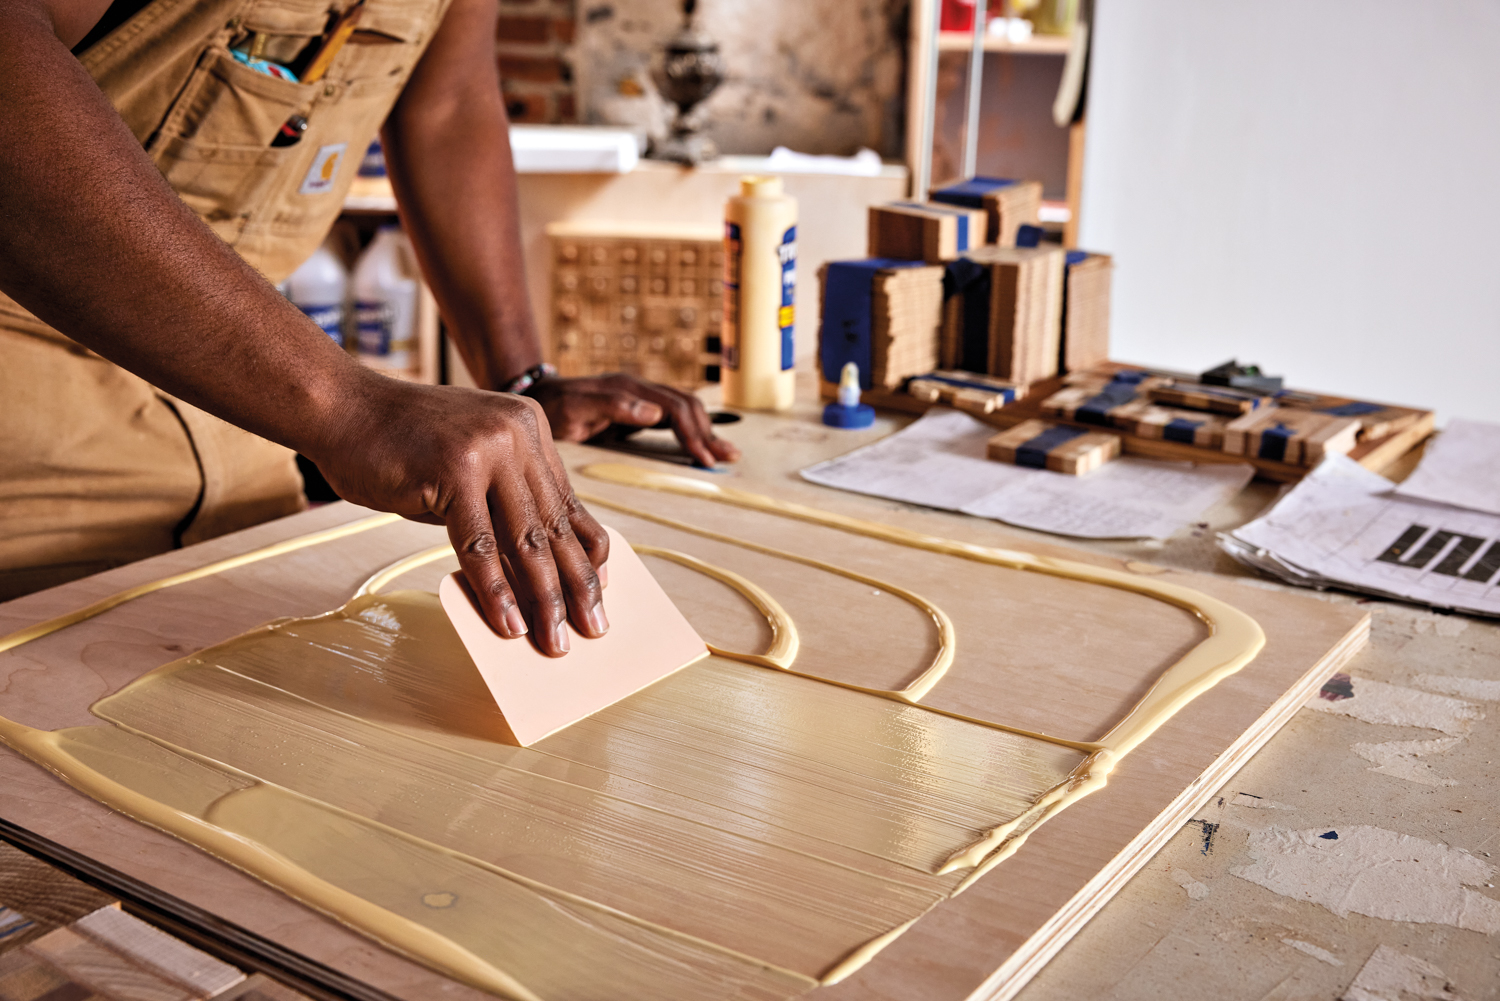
(775, 448)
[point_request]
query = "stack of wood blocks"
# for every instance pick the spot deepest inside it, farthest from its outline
(1086, 310)
(1007, 204)
(1019, 336)
(1239, 422)
(649, 303)
(62, 940)
(924, 231)
(884, 316)
(1291, 435)
(1062, 449)
(977, 394)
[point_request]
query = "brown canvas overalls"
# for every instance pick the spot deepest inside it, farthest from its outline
(97, 467)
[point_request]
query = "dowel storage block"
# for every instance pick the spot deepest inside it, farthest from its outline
(646, 301)
(1086, 310)
(881, 314)
(1003, 312)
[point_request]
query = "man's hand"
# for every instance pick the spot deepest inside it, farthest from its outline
(579, 409)
(483, 465)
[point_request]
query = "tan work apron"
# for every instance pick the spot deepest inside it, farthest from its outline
(97, 467)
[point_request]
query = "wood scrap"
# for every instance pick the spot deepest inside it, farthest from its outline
(1096, 402)
(35, 898)
(1214, 399)
(1149, 420)
(1062, 449)
(1284, 434)
(1376, 420)
(977, 394)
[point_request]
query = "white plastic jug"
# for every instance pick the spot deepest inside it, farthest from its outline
(320, 288)
(385, 301)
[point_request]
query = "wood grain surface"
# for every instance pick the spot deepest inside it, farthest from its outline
(1039, 653)
(46, 896)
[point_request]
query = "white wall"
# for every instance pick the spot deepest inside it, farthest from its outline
(1314, 186)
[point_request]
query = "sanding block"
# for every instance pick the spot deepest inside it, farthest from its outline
(538, 695)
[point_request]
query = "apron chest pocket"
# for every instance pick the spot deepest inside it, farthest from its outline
(230, 104)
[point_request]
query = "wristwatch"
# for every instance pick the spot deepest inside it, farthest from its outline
(529, 378)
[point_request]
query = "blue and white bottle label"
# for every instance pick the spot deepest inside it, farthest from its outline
(330, 319)
(730, 331)
(787, 315)
(373, 321)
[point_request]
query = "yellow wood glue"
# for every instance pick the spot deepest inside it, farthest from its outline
(760, 281)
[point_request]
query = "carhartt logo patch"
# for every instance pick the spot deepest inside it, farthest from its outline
(325, 167)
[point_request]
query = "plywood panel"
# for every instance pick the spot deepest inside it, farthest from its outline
(1034, 652)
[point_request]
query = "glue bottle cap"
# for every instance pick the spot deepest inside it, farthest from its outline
(761, 187)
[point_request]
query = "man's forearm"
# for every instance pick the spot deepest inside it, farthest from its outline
(95, 243)
(447, 148)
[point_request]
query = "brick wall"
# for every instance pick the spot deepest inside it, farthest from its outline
(533, 44)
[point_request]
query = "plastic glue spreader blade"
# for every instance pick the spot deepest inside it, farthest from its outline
(648, 639)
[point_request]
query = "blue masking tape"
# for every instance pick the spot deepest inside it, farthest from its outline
(1273, 442)
(1354, 409)
(1181, 429)
(960, 215)
(844, 333)
(970, 193)
(1096, 409)
(1033, 453)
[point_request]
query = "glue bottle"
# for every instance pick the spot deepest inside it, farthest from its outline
(760, 279)
(385, 301)
(319, 287)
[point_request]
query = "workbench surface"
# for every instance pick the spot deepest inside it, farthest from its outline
(1189, 925)
(1197, 920)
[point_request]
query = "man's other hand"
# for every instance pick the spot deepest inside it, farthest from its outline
(482, 464)
(579, 409)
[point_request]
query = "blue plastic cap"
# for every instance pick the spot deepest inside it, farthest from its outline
(836, 415)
